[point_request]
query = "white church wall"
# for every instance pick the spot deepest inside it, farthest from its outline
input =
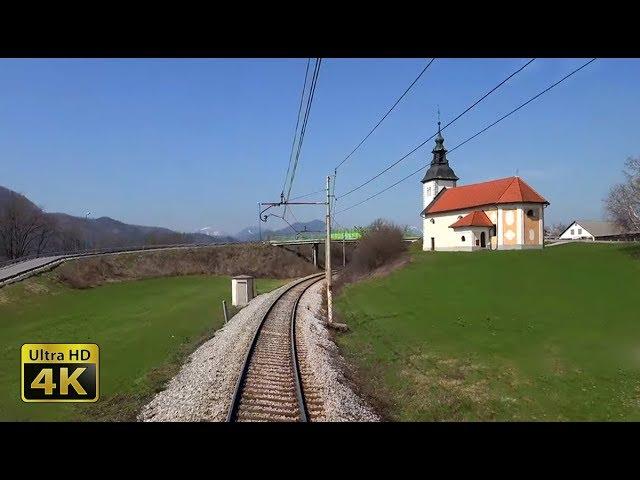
(448, 239)
(445, 238)
(430, 190)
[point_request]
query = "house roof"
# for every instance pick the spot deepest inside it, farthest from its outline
(493, 192)
(477, 218)
(598, 228)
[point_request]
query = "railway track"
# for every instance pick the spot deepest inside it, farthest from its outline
(275, 383)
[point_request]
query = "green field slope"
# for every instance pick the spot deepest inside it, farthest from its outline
(144, 329)
(526, 335)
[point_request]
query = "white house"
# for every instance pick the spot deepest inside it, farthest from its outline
(502, 214)
(592, 230)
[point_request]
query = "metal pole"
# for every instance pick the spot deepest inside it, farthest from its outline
(344, 255)
(224, 310)
(327, 253)
(259, 223)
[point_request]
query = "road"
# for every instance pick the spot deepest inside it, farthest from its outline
(24, 268)
(21, 270)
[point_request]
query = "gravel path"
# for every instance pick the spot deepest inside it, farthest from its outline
(341, 404)
(202, 390)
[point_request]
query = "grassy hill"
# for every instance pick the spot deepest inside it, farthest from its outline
(526, 335)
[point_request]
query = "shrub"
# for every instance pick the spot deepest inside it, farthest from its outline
(252, 259)
(381, 243)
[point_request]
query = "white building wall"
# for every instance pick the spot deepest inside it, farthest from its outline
(576, 227)
(447, 238)
(500, 228)
(542, 225)
(431, 188)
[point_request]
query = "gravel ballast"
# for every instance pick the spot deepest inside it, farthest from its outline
(341, 403)
(202, 390)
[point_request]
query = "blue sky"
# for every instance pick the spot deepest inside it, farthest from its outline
(189, 143)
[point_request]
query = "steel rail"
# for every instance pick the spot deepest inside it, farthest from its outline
(237, 393)
(302, 404)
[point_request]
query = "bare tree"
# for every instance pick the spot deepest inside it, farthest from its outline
(556, 229)
(71, 240)
(623, 202)
(24, 228)
(46, 233)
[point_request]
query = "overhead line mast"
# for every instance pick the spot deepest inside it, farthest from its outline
(285, 199)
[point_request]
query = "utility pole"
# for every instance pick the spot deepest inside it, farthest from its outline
(259, 223)
(327, 253)
(327, 249)
(344, 255)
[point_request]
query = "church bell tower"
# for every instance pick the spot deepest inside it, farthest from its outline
(439, 175)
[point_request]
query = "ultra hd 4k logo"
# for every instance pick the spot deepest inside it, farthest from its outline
(60, 372)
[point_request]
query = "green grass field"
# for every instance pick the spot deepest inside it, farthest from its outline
(521, 335)
(144, 329)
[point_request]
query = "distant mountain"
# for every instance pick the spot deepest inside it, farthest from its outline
(251, 234)
(76, 233)
(5, 196)
(217, 235)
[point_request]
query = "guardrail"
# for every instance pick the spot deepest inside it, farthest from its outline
(104, 251)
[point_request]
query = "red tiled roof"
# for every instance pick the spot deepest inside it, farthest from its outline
(503, 190)
(476, 218)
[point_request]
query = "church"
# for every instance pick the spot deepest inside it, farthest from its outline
(502, 214)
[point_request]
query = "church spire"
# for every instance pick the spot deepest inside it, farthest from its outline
(439, 168)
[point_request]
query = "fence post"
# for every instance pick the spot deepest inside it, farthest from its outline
(224, 310)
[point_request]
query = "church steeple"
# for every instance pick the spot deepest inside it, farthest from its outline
(439, 169)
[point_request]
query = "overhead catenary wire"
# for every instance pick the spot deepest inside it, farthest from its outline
(322, 190)
(295, 132)
(283, 219)
(374, 128)
(312, 88)
(385, 115)
(573, 72)
(468, 109)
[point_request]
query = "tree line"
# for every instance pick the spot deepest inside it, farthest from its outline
(27, 230)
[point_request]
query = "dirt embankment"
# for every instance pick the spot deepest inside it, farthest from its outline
(249, 259)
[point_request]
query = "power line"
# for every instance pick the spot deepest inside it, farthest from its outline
(303, 129)
(524, 104)
(385, 115)
(308, 194)
(282, 218)
(432, 136)
(295, 132)
(474, 135)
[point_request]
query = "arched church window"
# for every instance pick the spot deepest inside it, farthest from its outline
(463, 238)
(459, 217)
(532, 213)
